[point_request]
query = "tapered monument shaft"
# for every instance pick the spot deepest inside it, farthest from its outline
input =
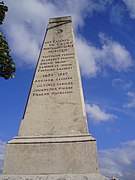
(55, 105)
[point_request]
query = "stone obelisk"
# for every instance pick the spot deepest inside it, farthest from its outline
(53, 139)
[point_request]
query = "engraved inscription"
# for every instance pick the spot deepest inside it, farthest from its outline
(55, 69)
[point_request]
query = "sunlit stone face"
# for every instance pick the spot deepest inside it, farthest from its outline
(55, 105)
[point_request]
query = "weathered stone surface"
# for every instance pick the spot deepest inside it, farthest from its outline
(91, 176)
(51, 155)
(53, 136)
(55, 104)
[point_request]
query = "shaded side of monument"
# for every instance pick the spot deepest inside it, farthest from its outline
(53, 140)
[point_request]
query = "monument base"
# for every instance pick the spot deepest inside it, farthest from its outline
(91, 176)
(74, 154)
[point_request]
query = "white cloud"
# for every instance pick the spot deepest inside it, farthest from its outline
(25, 48)
(26, 21)
(120, 83)
(118, 162)
(2, 153)
(117, 13)
(87, 59)
(131, 102)
(97, 114)
(25, 28)
(111, 54)
(131, 7)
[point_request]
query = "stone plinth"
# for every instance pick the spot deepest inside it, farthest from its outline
(51, 155)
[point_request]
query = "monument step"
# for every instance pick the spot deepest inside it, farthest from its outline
(53, 139)
(91, 176)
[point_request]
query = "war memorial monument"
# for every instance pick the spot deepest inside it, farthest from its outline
(53, 142)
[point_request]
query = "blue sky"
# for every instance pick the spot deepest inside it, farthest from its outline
(105, 40)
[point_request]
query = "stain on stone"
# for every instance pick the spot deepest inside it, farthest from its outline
(75, 119)
(85, 178)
